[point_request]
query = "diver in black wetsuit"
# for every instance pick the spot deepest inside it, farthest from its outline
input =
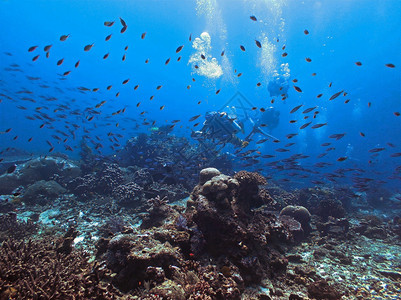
(219, 127)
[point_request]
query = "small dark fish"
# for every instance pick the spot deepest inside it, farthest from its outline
(305, 125)
(261, 141)
(33, 48)
(167, 61)
(47, 54)
(342, 158)
(203, 57)
(64, 37)
(124, 57)
(361, 134)
(179, 49)
(242, 48)
(218, 91)
(108, 24)
(162, 107)
(330, 84)
(390, 65)
(337, 136)
(66, 73)
(179, 58)
(47, 48)
(190, 37)
(88, 47)
(374, 150)
(336, 95)
(306, 31)
(123, 22)
(77, 64)
(309, 110)
(291, 135)
(108, 37)
(253, 18)
(325, 144)
(398, 154)
(318, 125)
(125, 81)
(281, 150)
(258, 84)
(159, 87)
(293, 121)
(320, 95)
(35, 58)
(194, 118)
(308, 59)
(123, 29)
(297, 89)
(60, 61)
(296, 108)
(258, 44)
(136, 87)
(11, 169)
(358, 63)
(106, 56)
(284, 54)
(222, 53)
(397, 114)
(143, 35)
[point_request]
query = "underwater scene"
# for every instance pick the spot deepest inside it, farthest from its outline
(200, 149)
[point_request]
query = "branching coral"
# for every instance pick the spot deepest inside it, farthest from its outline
(36, 270)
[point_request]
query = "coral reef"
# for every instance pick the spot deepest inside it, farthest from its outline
(11, 227)
(42, 192)
(330, 208)
(38, 169)
(131, 256)
(157, 211)
(300, 214)
(128, 194)
(36, 270)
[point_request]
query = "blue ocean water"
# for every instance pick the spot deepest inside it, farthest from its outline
(40, 93)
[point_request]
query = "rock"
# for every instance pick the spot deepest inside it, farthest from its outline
(207, 174)
(42, 192)
(322, 290)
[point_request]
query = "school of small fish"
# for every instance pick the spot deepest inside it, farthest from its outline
(54, 113)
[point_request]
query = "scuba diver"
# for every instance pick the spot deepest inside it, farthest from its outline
(269, 119)
(278, 87)
(220, 127)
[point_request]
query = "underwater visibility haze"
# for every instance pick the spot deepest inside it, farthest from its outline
(129, 127)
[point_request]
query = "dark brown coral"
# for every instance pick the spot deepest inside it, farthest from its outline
(249, 195)
(36, 270)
